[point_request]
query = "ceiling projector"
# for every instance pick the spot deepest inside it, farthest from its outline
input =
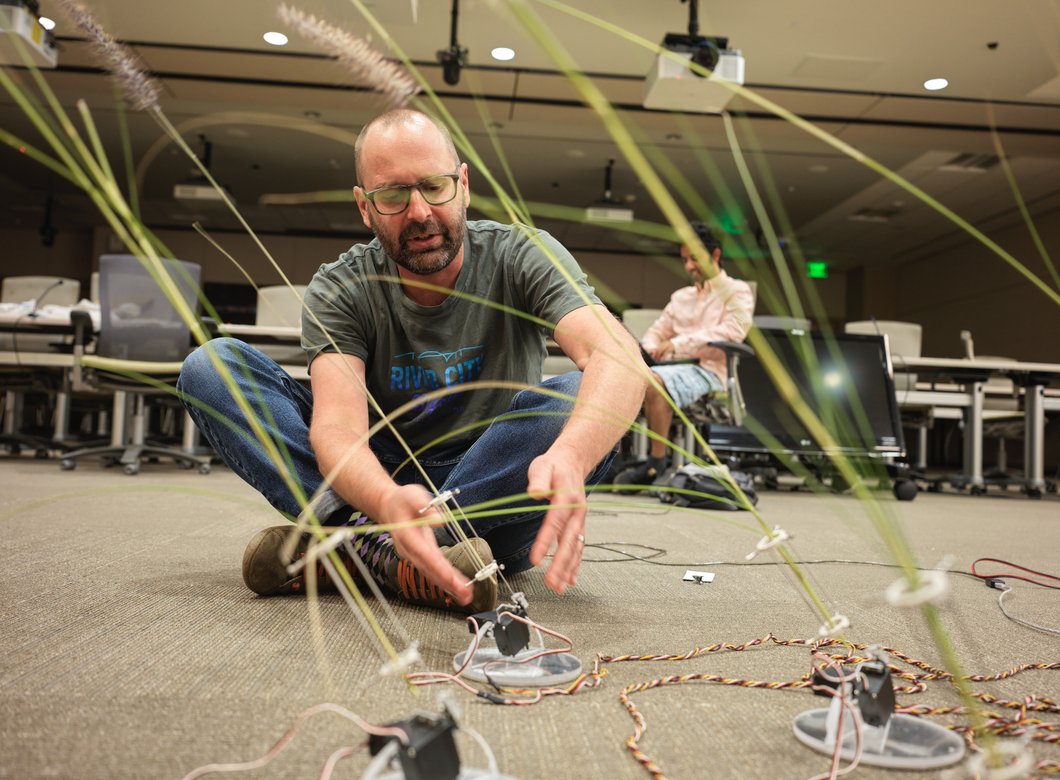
(198, 191)
(18, 21)
(672, 85)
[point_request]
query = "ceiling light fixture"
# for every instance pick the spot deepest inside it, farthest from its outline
(275, 38)
(936, 84)
(46, 23)
(503, 53)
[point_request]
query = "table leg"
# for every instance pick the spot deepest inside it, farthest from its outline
(973, 437)
(1034, 438)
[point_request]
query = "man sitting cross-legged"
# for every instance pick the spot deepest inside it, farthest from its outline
(398, 318)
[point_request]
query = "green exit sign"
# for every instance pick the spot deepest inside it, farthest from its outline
(817, 269)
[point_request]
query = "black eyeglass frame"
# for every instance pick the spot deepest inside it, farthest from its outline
(408, 188)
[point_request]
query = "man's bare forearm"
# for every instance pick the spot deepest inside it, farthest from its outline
(358, 475)
(609, 400)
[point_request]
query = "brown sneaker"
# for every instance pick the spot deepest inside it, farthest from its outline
(265, 573)
(467, 557)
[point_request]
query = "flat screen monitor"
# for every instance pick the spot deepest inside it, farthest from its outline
(844, 379)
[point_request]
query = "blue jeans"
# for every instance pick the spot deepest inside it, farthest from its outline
(493, 466)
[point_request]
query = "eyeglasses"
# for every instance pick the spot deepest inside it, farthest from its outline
(394, 199)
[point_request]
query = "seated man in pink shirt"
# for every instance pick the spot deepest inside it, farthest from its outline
(718, 308)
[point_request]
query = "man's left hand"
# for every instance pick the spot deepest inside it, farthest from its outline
(557, 476)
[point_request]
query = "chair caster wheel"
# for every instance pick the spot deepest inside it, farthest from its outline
(132, 468)
(977, 490)
(905, 490)
(1034, 493)
(204, 468)
(66, 464)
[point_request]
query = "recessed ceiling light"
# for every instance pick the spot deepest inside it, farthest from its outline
(936, 84)
(503, 53)
(275, 38)
(46, 23)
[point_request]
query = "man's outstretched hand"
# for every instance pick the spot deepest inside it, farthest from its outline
(557, 476)
(416, 543)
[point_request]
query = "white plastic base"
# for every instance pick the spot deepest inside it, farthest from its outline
(511, 671)
(905, 742)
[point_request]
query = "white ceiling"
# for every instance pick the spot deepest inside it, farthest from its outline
(280, 122)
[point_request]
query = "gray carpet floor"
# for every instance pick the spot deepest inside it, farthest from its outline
(131, 649)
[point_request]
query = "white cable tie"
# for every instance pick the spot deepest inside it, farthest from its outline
(933, 584)
(440, 499)
(320, 549)
(484, 572)
(770, 541)
(1019, 762)
(405, 659)
(835, 624)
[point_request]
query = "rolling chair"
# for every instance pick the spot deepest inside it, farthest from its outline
(141, 335)
(19, 386)
(723, 406)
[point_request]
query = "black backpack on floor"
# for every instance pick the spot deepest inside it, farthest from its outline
(710, 488)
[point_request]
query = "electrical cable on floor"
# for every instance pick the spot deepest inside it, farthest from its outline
(1005, 590)
(994, 580)
(285, 740)
(1021, 725)
(1008, 575)
(658, 552)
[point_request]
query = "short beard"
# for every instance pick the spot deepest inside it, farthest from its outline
(431, 261)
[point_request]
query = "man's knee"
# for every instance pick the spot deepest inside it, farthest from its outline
(199, 367)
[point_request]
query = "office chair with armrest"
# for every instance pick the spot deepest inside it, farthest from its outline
(725, 407)
(141, 335)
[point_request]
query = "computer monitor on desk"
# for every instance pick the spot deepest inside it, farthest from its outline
(846, 381)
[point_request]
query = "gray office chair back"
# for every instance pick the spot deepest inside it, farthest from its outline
(137, 321)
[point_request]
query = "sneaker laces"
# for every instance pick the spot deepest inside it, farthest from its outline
(414, 586)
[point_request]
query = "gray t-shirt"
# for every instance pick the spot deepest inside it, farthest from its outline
(410, 349)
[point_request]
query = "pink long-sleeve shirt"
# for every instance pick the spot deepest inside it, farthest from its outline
(719, 311)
